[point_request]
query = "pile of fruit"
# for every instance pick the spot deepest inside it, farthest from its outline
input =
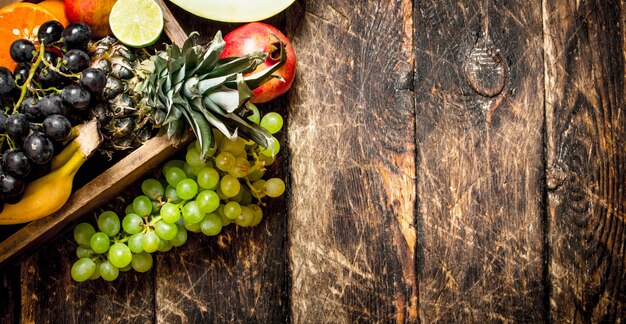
(192, 195)
(49, 91)
(59, 75)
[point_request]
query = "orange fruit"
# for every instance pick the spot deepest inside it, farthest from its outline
(57, 8)
(20, 20)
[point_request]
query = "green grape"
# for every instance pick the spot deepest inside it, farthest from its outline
(208, 178)
(142, 205)
(272, 121)
(174, 175)
(171, 195)
(193, 227)
(132, 223)
(172, 164)
(271, 153)
(96, 272)
(83, 269)
(141, 262)
(186, 189)
(230, 185)
(119, 255)
(181, 236)
(129, 209)
(259, 189)
(211, 225)
(208, 201)
(108, 271)
(257, 212)
(99, 242)
(83, 252)
(83, 233)
(156, 207)
(126, 268)
(109, 223)
(218, 137)
(246, 196)
(232, 209)
(152, 188)
(235, 147)
(274, 187)
(225, 161)
(188, 169)
(225, 220)
(241, 167)
(150, 242)
(256, 174)
(256, 116)
(220, 194)
(170, 213)
(267, 160)
(192, 213)
(135, 243)
(165, 231)
(164, 246)
(193, 157)
(245, 218)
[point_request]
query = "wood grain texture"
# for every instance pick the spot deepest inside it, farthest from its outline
(49, 295)
(480, 252)
(10, 294)
(584, 44)
(351, 138)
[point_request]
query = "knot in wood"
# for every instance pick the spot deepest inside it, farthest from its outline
(555, 177)
(485, 70)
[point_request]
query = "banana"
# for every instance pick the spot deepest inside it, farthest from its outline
(49, 193)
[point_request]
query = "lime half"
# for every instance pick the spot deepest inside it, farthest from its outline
(136, 23)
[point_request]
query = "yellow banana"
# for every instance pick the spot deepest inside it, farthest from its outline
(49, 193)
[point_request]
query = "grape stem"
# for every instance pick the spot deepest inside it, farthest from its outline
(57, 70)
(257, 193)
(31, 74)
(124, 239)
(9, 141)
(154, 220)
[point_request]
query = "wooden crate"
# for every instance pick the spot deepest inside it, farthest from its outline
(102, 188)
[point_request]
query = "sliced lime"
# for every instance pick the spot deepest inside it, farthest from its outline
(136, 23)
(234, 10)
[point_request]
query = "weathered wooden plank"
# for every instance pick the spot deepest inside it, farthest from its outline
(586, 158)
(240, 275)
(49, 295)
(479, 136)
(351, 138)
(10, 294)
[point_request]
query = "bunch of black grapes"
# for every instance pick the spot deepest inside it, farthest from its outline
(49, 91)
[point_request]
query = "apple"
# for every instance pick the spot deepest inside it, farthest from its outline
(94, 13)
(259, 36)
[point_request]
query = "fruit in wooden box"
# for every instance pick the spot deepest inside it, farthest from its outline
(94, 13)
(49, 193)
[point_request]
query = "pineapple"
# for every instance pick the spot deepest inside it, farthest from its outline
(178, 89)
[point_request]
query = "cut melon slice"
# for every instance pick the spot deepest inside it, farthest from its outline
(235, 11)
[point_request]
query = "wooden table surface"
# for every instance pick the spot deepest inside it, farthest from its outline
(451, 161)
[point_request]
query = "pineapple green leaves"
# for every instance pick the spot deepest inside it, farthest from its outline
(191, 85)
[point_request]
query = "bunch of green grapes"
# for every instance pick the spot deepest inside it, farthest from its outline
(193, 195)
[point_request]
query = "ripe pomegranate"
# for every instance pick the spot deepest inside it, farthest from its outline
(258, 36)
(94, 13)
